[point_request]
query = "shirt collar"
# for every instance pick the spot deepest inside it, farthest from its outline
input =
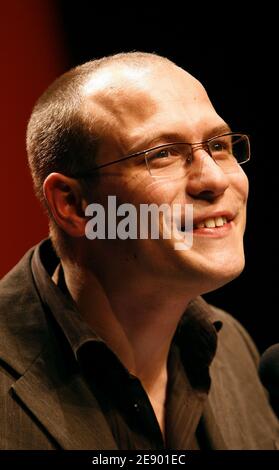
(196, 334)
(62, 307)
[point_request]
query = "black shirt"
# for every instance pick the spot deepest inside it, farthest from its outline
(121, 396)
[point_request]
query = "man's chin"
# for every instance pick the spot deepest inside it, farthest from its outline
(215, 278)
(209, 271)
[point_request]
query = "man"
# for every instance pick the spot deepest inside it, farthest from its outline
(106, 343)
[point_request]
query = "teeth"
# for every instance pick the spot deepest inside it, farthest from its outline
(212, 222)
(219, 221)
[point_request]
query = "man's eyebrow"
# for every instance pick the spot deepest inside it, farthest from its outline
(217, 130)
(211, 132)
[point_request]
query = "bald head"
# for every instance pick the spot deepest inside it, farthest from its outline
(129, 84)
(61, 137)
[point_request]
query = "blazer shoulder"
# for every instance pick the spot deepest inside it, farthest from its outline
(22, 319)
(17, 280)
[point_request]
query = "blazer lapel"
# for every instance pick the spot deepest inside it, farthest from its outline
(46, 380)
(66, 408)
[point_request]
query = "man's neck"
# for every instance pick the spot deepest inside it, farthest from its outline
(136, 320)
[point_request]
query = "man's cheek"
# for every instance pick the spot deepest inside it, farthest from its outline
(242, 185)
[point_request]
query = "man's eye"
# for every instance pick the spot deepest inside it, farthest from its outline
(172, 151)
(220, 146)
(164, 153)
(165, 156)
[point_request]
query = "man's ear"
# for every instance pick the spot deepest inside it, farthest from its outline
(66, 203)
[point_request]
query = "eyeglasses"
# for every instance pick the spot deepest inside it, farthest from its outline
(175, 159)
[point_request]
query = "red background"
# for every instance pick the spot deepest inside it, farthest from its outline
(32, 55)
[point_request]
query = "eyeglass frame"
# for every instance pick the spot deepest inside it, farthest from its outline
(202, 144)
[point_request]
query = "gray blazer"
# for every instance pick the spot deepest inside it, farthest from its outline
(46, 404)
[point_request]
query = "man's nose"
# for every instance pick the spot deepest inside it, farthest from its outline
(206, 178)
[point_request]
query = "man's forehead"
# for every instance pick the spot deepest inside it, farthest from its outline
(118, 98)
(137, 93)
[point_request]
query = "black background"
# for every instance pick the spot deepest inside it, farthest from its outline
(235, 56)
